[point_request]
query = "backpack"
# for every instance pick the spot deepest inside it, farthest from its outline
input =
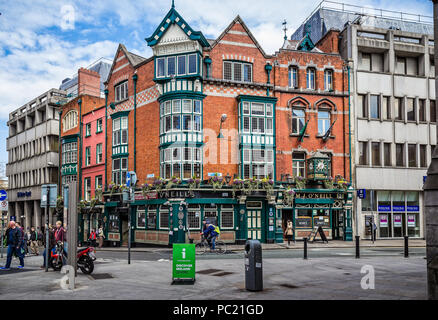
(217, 230)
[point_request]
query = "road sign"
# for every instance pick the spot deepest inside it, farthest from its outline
(4, 205)
(183, 262)
(53, 194)
(131, 179)
(362, 193)
(3, 195)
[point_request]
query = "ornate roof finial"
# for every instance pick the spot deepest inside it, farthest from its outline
(285, 29)
(173, 4)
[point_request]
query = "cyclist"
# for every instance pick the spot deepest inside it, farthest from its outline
(211, 233)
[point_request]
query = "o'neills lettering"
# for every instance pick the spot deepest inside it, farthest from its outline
(176, 194)
(314, 196)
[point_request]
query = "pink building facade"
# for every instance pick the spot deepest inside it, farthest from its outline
(93, 152)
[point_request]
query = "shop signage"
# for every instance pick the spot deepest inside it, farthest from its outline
(321, 221)
(176, 194)
(397, 220)
(398, 208)
(23, 194)
(319, 196)
(362, 193)
(146, 196)
(183, 262)
(383, 220)
(303, 223)
(413, 208)
(384, 208)
(411, 220)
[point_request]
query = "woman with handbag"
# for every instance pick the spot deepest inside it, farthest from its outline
(289, 232)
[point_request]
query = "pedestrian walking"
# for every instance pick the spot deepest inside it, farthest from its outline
(34, 241)
(101, 237)
(40, 237)
(13, 241)
(93, 237)
(289, 232)
(23, 241)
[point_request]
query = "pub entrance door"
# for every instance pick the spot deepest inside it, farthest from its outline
(338, 224)
(287, 214)
(254, 220)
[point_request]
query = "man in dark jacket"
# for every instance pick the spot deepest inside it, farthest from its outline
(13, 241)
(34, 241)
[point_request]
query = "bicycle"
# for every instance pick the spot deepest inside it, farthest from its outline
(204, 245)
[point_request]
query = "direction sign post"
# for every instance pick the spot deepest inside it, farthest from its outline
(131, 180)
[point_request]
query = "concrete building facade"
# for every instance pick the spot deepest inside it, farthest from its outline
(33, 158)
(392, 96)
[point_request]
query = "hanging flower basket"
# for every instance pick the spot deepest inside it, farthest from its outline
(268, 186)
(289, 196)
(342, 184)
(216, 181)
(194, 183)
(328, 184)
(174, 181)
(300, 182)
(113, 188)
(238, 184)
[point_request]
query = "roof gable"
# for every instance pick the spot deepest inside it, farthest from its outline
(132, 58)
(239, 20)
(306, 44)
(173, 17)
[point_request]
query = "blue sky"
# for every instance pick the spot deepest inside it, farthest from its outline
(45, 41)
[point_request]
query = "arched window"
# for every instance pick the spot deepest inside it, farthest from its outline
(293, 77)
(70, 120)
(328, 80)
(298, 113)
(310, 76)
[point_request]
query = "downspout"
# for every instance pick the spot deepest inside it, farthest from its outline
(106, 138)
(59, 155)
(349, 121)
(80, 148)
(135, 78)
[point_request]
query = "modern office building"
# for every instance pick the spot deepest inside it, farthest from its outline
(33, 158)
(392, 96)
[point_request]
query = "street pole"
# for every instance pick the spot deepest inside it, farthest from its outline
(47, 229)
(1, 245)
(129, 227)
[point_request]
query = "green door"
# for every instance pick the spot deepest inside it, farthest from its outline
(254, 224)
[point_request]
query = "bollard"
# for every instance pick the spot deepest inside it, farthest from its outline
(357, 247)
(305, 248)
(406, 247)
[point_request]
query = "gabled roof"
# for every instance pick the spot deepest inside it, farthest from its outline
(300, 45)
(174, 17)
(238, 19)
(306, 43)
(133, 59)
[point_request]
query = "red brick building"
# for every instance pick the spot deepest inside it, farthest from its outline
(217, 109)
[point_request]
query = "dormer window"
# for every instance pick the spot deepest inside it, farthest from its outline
(121, 91)
(237, 71)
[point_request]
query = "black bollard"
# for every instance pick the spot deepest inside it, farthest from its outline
(357, 247)
(305, 248)
(406, 247)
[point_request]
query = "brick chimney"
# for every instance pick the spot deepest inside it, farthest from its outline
(88, 82)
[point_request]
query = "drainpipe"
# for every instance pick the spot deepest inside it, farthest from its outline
(59, 155)
(349, 120)
(106, 138)
(135, 78)
(80, 148)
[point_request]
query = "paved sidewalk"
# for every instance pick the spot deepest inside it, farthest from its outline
(317, 278)
(298, 245)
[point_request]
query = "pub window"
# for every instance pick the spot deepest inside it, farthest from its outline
(363, 153)
(121, 91)
(113, 225)
(400, 154)
(141, 217)
(328, 80)
(310, 77)
(194, 216)
(323, 121)
(164, 217)
(227, 216)
(299, 164)
(293, 77)
(210, 213)
(412, 155)
(298, 119)
(152, 216)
